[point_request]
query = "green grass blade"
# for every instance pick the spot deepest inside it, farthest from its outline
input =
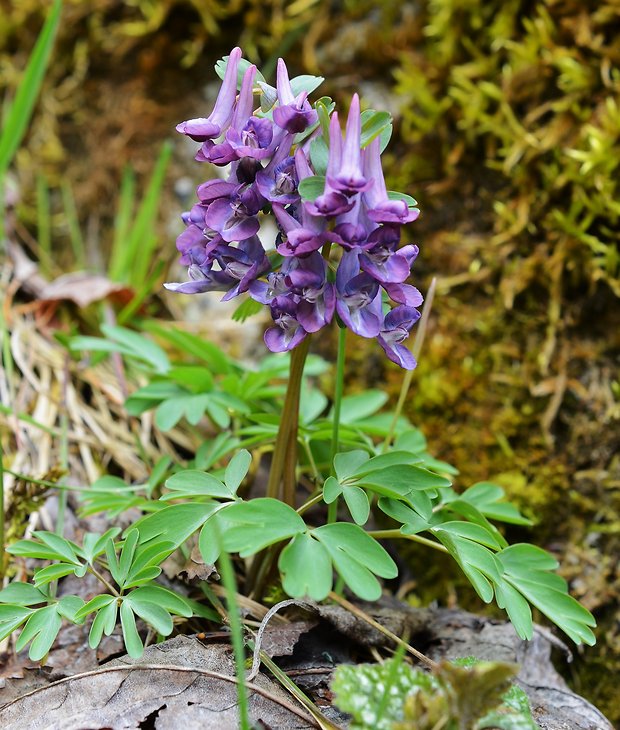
(19, 115)
(73, 221)
(122, 225)
(141, 241)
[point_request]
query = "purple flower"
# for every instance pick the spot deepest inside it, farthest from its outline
(380, 208)
(287, 332)
(331, 202)
(382, 260)
(404, 294)
(300, 238)
(243, 264)
(358, 300)
(217, 122)
(278, 182)
(307, 278)
(354, 218)
(394, 331)
(292, 114)
(202, 278)
(349, 178)
(235, 218)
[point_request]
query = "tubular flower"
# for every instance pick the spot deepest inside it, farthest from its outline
(339, 252)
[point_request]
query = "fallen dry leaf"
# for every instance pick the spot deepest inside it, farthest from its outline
(179, 683)
(84, 288)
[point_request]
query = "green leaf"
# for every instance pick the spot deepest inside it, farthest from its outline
(218, 414)
(171, 602)
(63, 548)
(412, 521)
(356, 407)
(104, 621)
(195, 377)
(153, 614)
(148, 555)
(152, 395)
(319, 155)
(68, 606)
(404, 478)
(248, 308)
(175, 523)
(375, 693)
(22, 594)
(52, 572)
(411, 202)
(375, 124)
(306, 83)
(473, 532)
(473, 514)
(209, 541)
(324, 107)
(192, 482)
(127, 554)
(311, 187)
(349, 463)
(248, 527)
(221, 65)
(142, 576)
(41, 629)
(356, 500)
(94, 605)
(113, 566)
(331, 490)
(237, 469)
(142, 347)
(525, 567)
(478, 563)
(210, 452)
(383, 461)
(96, 630)
(32, 549)
(306, 568)
(94, 544)
(312, 404)
(11, 618)
(412, 440)
(517, 608)
(192, 407)
(207, 352)
(131, 637)
(356, 556)
(490, 500)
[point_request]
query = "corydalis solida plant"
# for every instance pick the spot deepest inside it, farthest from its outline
(338, 248)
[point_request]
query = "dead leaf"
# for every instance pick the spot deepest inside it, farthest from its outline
(179, 683)
(84, 288)
(281, 640)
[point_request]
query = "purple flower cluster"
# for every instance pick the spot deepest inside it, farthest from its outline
(337, 254)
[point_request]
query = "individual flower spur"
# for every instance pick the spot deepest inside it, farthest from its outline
(338, 249)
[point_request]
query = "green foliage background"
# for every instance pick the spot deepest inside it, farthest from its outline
(507, 132)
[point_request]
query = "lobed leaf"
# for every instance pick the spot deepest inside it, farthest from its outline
(306, 568)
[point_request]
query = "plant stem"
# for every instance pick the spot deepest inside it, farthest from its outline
(236, 630)
(310, 503)
(101, 579)
(415, 351)
(332, 509)
(384, 534)
(1, 511)
(283, 463)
